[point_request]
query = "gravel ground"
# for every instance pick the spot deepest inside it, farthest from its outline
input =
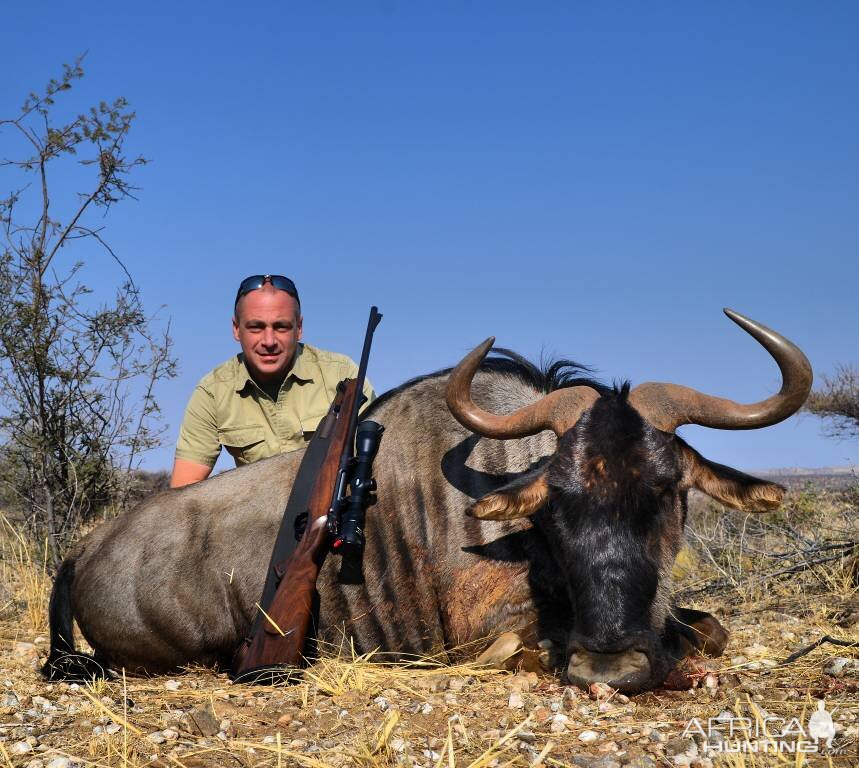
(360, 712)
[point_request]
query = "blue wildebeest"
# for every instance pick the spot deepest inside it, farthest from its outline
(510, 498)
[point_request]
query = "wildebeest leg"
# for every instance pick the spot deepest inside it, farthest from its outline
(700, 631)
(509, 652)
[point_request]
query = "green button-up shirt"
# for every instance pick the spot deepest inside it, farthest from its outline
(228, 408)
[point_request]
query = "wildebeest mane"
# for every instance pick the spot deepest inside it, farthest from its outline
(546, 377)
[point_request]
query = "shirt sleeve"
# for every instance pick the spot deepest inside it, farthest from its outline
(198, 435)
(351, 372)
(369, 392)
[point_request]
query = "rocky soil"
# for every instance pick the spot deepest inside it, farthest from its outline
(364, 713)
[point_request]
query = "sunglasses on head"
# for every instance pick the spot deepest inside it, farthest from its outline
(255, 282)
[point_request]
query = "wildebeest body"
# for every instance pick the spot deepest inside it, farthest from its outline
(176, 580)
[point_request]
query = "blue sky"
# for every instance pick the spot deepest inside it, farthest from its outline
(591, 180)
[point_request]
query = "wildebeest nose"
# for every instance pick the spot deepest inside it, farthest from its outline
(628, 670)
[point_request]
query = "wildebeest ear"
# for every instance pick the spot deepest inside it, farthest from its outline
(519, 498)
(730, 486)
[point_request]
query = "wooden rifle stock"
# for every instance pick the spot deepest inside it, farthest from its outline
(284, 631)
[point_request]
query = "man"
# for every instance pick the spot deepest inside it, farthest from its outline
(266, 400)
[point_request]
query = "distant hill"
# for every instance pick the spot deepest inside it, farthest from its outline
(828, 477)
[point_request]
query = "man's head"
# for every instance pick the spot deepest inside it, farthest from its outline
(267, 323)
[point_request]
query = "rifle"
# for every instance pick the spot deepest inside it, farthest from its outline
(274, 649)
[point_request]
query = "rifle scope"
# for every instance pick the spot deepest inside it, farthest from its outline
(350, 538)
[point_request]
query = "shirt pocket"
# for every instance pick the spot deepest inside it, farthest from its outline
(310, 423)
(245, 444)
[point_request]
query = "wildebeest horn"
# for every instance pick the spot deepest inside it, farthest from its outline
(557, 411)
(668, 406)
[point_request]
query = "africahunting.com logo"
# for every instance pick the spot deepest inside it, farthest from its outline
(729, 733)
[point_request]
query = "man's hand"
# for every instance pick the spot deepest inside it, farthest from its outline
(187, 472)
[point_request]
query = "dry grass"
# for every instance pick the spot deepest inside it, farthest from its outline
(24, 569)
(758, 574)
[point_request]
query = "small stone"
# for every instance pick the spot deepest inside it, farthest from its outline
(559, 723)
(426, 708)
(588, 737)
(156, 738)
(458, 683)
(382, 703)
(756, 649)
(21, 748)
(433, 683)
(520, 683)
(586, 761)
(9, 700)
(837, 667)
(515, 701)
(600, 691)
(493, 734)
(200, 721)
(35, 764)
(297, 744)
(730, 680)
(282, 720)
(681, 746)
(701, 762)
(170, 734)
(113, 728)
(60, 762)
(529, 737)
(640, 761)
(172, 685)
(25, 653)
(398, 744)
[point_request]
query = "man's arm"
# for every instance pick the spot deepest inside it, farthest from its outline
(198, 447)
(186, 472)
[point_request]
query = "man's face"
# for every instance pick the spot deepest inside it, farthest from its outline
(268, 327)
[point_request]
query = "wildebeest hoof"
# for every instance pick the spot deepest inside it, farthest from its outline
(501, 652)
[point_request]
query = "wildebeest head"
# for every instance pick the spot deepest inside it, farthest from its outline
(612, 499)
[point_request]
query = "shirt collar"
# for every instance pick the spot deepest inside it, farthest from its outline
(302, 369)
